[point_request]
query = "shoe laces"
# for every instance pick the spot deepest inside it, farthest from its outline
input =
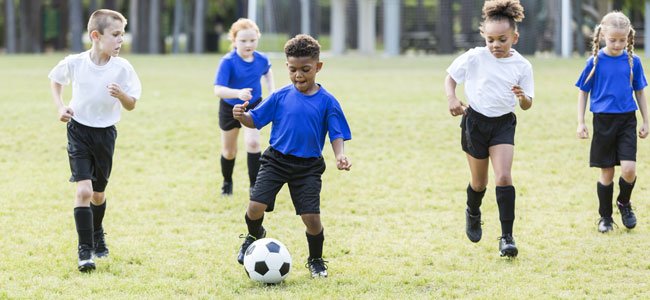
(249, 239)
(316, 264)
(507, 238)
(99, 239)
(608, 220)
(626, 209)
(85, 251)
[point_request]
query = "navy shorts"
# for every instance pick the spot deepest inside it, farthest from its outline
(302, 174)
(226, 120)
(614, 139)
(90, 152)
(479, 132)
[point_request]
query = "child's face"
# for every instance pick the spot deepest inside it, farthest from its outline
(246, 42)
(499, 37)
(302, 72)
(109, 42)
(615, 41)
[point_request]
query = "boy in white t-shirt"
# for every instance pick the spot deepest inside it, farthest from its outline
(496, 77)
(102, 83)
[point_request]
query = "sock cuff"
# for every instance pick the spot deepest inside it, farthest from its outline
(610, 186)
(321, 234)
(622, 182)
(471, 190)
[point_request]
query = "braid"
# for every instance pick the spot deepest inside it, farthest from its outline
(594, 51)
(630, 52)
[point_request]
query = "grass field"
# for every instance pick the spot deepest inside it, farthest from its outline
(394, 225)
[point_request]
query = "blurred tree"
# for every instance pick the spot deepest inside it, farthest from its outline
(30, 22)
(76, 25)
(10, 27)
(445, 27)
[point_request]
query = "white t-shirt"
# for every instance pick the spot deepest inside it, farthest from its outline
(489, 80)
(91, 101)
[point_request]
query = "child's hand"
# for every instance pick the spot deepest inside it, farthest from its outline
(343, 162)
(643, 132)
(65, 114)
(519, 92)
(456, 108)
(115, 90)
(245, 94)
(582, 132)
(238, 110)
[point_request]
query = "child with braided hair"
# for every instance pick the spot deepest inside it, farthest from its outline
(612, 79)
(496, 78)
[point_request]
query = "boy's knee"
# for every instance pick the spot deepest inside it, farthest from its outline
(98, 198)
(503, 179)
(252, 145)
(84, 192)
(628, 173)
(255, 210)
(229, 153)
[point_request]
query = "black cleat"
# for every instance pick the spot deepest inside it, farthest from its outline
(226, 188)
(605, 224)
(101, 250)
(317, 267)
(473, 226)
(86, 263)
(248, 240)
(507, 246)
(627, 214)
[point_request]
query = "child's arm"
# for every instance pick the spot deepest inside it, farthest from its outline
(268, 79)
(582, 131)
(224, 92)
(342, 161)
(643, 107)
(65, 112)
(456, 107)
(525, 102)
(240, 114)
(116, 91)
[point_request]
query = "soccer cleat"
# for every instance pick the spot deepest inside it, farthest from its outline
(507, 246)
(86, 263)
(317, 267)
(473, 226)
(100, 244)
(605, 224)
(226, 188)
(248, 240)
(627, 214)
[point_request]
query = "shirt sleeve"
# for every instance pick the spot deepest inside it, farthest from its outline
(458, 68)
(133, 86)
(263, 114)
(61, 72)
(337, 125)
(223, 73)
(581, 84)
(527, 82)
(639, 81)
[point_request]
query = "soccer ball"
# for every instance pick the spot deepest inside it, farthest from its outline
(267, 260)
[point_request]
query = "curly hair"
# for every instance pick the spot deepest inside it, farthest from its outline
(497, 10)
(302, 45)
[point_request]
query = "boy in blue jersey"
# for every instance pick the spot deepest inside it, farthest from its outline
(612, 78)
(302, 114)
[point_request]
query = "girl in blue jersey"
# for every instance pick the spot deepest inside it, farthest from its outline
(496, 77)
(302, 114)
(238, 80)
(612, 78)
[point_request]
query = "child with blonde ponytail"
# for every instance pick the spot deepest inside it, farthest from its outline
(612, 79)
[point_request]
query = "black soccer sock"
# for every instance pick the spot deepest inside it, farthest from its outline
(255, 226)
(83, 218)
(315, 243)
(506, 203)
(625, 190)
(253, 166)
(227, 165)
(474, 200)
(98, 215)
(605, 195)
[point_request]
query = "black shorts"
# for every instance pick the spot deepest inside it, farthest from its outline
(479, 133)
(302, 174)
(90, 151)
(614, 139)
(226, 120)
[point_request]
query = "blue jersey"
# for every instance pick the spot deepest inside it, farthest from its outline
(300, 122)
(609, 87)
(235, 73)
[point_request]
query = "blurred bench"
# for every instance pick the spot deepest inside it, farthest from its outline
(418, 40)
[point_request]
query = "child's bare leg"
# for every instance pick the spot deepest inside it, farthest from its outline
(315, 239)
(229, 143)
(628, 171)
(84, 193)
(254, 218)
(505, 193)
(313, 224)
(606, 176)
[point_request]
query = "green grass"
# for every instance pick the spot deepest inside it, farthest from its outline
(394, 225)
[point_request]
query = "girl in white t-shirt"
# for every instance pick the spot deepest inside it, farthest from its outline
(496, 77)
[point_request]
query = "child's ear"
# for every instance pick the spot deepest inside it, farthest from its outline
(94, 35)
(319, 66)
(516, 38)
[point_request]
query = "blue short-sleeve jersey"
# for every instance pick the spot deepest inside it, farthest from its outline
(300, 122)
(235, 73)
(609, 87)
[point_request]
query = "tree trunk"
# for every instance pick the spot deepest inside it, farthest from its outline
(30, 26)
(178, 22)
(154, 27)
(76, 25)
(528, 32)
(199, 30)
(445, 28)
(10, 26)
(134, 26)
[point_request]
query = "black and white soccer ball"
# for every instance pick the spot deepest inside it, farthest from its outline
(267, 260)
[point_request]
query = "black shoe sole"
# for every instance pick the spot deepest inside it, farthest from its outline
(86, 268)
(509, 252)
(102, 254)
